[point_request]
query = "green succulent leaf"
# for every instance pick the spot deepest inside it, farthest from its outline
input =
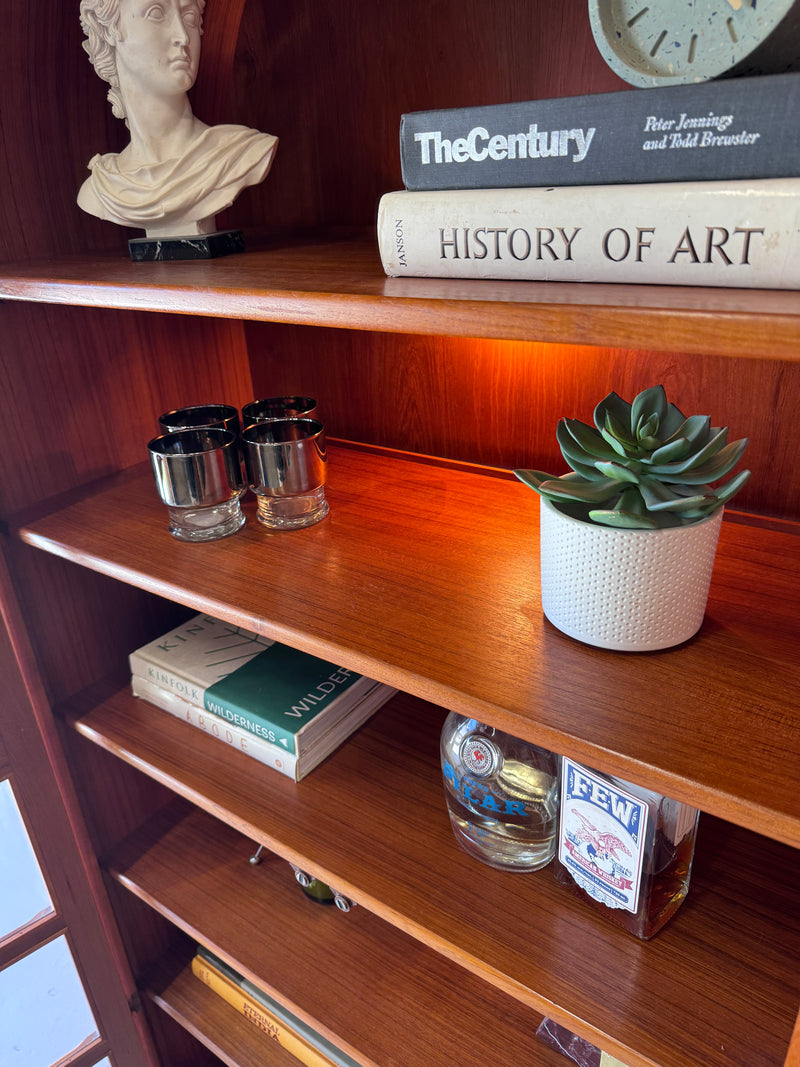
(619, 408)
(619, 446)
(588, 473)
(618, 435)
(533, 479)
(655, 492)
(696, 430)
(698, 472)
(628, 513)
(660, 497)
(647, 433)
(622, 520)
(622, 473)
(672, 421)
(572, 432)
(683, 505)
(630, 500)
(696, 514)
(724, 492)
(579, 460)
(596, 492)
(649, 405)
(649, 444)
(677, 499)
(692, 435)
(699, 452)
(676, 449)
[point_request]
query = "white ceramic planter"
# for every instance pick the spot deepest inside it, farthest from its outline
(629, 590)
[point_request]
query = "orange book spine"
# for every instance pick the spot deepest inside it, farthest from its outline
(258, 1015)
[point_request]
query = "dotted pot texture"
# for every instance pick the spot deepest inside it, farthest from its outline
(629, 590)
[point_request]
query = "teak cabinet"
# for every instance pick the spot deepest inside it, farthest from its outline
(424, 575)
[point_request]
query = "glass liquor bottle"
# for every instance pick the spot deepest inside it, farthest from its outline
(502, 795)
(624, 848)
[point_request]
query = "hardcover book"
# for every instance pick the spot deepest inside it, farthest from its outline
(731, 128)
(271, 755)
(276, 693)
(277, 1022)
(732, 234)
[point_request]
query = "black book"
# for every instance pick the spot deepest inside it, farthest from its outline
(733, 128)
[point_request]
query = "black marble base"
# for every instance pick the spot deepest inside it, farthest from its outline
(195, 246)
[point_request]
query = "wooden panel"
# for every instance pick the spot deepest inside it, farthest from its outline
(149, 940)
(98, 620)
(339, 282)
(53, 122)
(498, 403)
(316, 960)
(332, 82)
(211, 93)
(371, 821)
(425, 577)
(83, 389)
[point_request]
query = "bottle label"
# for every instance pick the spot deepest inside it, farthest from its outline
(602, 835)
(479, 756)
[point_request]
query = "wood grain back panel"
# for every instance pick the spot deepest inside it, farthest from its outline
(498, 402)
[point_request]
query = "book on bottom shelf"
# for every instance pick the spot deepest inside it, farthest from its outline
(731, 128)
(275, 1021)
(276, 693)
(743, 234)
(271, 755)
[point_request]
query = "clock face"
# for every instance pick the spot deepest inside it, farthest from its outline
(658, 42)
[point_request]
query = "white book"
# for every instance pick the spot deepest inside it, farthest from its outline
(277, 693)
(271, 755)
(736, 234)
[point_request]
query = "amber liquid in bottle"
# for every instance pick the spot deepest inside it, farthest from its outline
(626, 850)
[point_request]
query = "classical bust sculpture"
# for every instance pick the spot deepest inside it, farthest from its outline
(177, 173)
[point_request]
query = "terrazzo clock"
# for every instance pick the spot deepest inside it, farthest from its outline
(668, 42)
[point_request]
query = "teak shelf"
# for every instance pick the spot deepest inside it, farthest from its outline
(339, 282)
(445, 608)
(410, 583)
(425, 576)
(522, 934)
(195, 870)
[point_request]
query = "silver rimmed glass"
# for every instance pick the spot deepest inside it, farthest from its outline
(286, 463)
(198, 475)
(199, 415)
(278, 407)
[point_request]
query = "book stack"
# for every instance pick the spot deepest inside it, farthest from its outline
(283, 707)
(680, 184)
(279, 1024)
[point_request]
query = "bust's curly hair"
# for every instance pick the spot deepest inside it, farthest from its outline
(100, 23)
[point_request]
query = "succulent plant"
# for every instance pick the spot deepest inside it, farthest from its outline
(645, 461)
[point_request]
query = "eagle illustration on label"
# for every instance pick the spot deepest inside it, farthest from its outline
(602, 836)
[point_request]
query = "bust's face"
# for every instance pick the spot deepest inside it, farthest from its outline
(159, 50)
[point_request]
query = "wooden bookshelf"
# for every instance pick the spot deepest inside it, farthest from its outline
(313, 959)
(447, 608)
(523, 935)
(214, 1023)
(425, 575)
